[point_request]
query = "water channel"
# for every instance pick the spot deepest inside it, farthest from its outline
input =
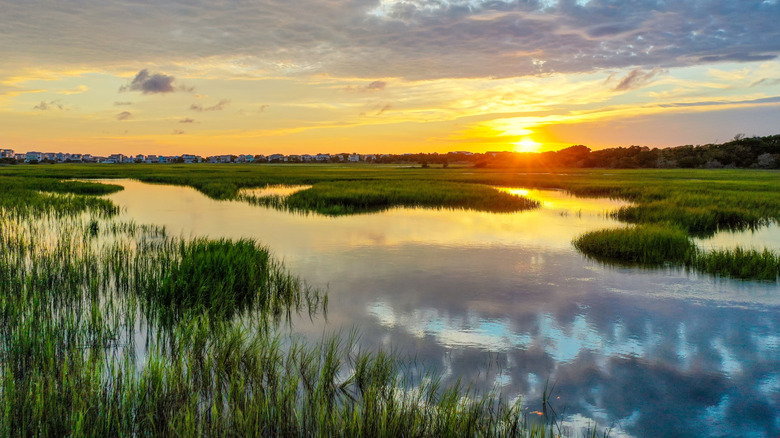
(505, 301)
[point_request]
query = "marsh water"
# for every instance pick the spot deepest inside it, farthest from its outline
(505, 302)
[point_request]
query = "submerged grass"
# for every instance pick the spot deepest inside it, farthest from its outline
(110, 328)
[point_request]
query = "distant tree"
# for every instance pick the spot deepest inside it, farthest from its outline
(766, 161)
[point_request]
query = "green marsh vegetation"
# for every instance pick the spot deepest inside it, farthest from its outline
(698, 202)
(652, 245)
(346, 197)
(111, 328)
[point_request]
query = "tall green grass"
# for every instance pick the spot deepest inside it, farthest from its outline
(647, 245)
(349, 197)
(652, 245)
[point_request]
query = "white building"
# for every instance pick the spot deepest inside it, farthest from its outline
(33, 156)
(6, 153)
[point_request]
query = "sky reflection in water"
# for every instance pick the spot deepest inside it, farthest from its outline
(505, 301)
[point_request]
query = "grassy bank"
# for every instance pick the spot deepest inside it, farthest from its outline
(346, 197)
(652, 246)
(110, 328)
(698, 202)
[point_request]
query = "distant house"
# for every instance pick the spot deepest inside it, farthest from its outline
(114, 159)
(19, 157)
(6, 153)
(190, 159)
(322, 157)
(353, 158)
(275, 158)
(306, 158)
(33, 156)
(75, 157)
(245, 159)
(140, 158)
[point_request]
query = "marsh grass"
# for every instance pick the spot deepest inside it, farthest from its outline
(701, 202)
(349, 197)
(645, 245)
(652, 246)
(739, 263)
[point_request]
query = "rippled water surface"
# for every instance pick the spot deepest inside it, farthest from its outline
(505, 301)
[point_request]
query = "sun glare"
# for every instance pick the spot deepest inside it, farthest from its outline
(527, 145)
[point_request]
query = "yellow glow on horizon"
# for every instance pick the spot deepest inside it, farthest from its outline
(527, 145)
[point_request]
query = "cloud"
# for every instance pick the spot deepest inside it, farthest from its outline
(218, 107)
(373, 86)
(414, 39)
(50, 105)
(766, 81)
(263, 108)
(637, 78)
(187, 120)
(384, 108)
(78, 90)
(148, 83)
(737, 57)
(122, 103)
(178, 132)
(124, 115)
(764, 100)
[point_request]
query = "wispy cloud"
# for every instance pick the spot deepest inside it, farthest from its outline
(187, 120)
(50, 105)
(372, 86)
(77, 90)
(217, 107)
(637, 78)
(124, 115)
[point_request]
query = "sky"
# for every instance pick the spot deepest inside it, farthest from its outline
(384, 76)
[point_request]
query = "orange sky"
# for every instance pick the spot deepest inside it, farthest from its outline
(207, 81)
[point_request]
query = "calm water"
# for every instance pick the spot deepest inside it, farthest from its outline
(505, 301)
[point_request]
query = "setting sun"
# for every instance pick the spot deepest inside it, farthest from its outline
(527, 145)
